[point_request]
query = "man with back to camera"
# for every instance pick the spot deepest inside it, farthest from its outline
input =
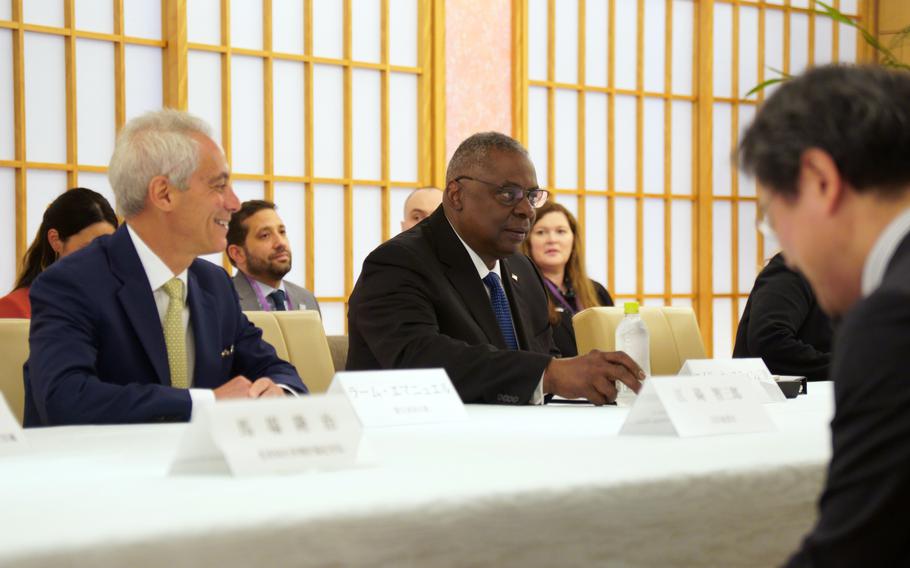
(455, 292)
(135, 328)
(258, 246)
(419, 205)
(829, 150)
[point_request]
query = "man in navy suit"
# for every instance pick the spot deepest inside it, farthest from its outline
(135, 328)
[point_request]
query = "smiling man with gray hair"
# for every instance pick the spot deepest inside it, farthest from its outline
(135, 328)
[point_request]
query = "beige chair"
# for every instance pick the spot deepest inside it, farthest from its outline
(271, 331)
(13, 353)
(338, 345)
(674, 333)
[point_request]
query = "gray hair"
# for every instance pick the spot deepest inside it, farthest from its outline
(475, 150)
(158, 143)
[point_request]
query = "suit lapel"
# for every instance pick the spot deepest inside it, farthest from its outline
(206, 334)
(513, 286)
(138, 302)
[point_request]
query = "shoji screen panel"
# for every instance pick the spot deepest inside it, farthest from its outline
(751, 42)
(320, 106)
(608, 105)
(71, 73)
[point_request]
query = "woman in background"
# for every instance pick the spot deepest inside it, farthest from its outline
(70, 222)
(554, 245)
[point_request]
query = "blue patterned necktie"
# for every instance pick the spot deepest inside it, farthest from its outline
(277, 298)
(501, 309)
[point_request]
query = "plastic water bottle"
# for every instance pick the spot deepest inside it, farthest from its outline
(632, 338)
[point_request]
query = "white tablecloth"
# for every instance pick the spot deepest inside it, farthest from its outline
(514, 486)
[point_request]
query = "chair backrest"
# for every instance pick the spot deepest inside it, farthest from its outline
(308, 349)
(338, 345)
(673, 331)
(271, 331)
(13, 354)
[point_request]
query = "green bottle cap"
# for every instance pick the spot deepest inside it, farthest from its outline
(631, 308)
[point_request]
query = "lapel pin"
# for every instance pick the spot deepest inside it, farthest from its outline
(227, 352)
(515, 278)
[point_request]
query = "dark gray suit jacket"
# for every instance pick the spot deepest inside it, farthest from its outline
(419, 303)
(864, 511)
(301, 297)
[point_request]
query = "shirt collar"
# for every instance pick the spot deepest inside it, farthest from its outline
(479, 264)
(882, 251)
(266, 289)
(155, 269)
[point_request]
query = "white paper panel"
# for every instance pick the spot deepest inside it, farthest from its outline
(247, 120)
(45, 98)
(333, 317)
(596, 140)
(771, 247)
(365, 30)
(655, 44)
(328, 122)
(95, 101)
(748, 50)
(7, 110)
(597, 18)
(569, 201)
(43, 187)
(142, 18)
(367, 224)
(328, 28)
(681, 246)
(8, 230)
(625, 48)
(799, 42)
(595, 233)
(216, 258)
(246, 23)
(142, 69)
(722, 147)
(683, 45)
(397, 197)
(6, 11)
(537, 131)
(288, 124)
(723, 328)
(566, 147)
(723, 251)
(653, 246)
(625, 248)
(774, 44)
(658, 302)
(567, 42)
(403, 32)
(626, 156)
(290, 200)
(537, 40)
(848, 7)
(681, 147)
(287, 26)
(247, 189)
(367, 133)
(204, 88)
(95, 15)
(824, 39)
(98, 182)
(403, 126)
(328, 213)
(43, 12)
(846, 49)
(748, 247)
(723, 49)
(653, 146)
(681, 302)
(203, 21)
(746, 183)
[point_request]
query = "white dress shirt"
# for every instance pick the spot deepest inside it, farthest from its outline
(266, 290)
(882, 251)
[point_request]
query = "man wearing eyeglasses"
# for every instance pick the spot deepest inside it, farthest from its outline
(830, 152)
(455, 292)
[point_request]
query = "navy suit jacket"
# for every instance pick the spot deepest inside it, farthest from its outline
(97, 351)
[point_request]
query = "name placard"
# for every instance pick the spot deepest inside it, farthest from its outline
(697, 406)
(754, 369)
(12, 439)
(276, 435)
(400, 397)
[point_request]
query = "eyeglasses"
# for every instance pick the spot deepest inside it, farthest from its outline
(511, 195)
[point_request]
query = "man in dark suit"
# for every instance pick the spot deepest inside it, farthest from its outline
(829, 150)
(453, 292)
(258, 246)
(135, 328)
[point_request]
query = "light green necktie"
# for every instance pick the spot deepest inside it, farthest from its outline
(175, 334)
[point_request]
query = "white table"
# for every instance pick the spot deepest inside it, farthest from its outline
(515, 486)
